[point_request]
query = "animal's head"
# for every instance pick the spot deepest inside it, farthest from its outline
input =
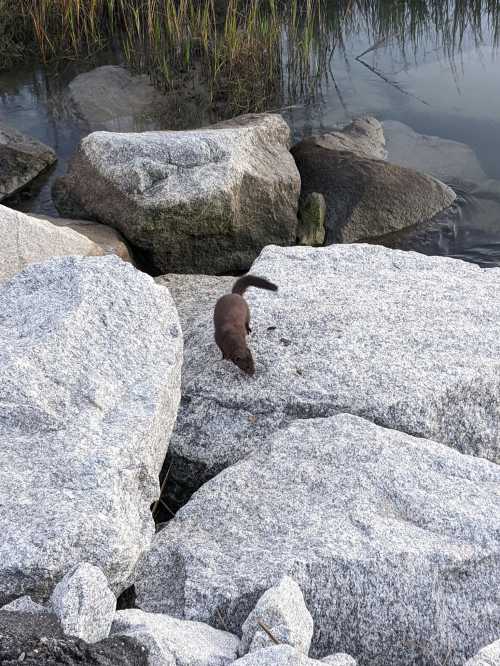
(245, 362)
(235, 350)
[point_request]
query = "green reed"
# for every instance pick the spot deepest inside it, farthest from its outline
(242, 51)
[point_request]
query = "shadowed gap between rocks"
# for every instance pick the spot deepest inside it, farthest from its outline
(178, 485)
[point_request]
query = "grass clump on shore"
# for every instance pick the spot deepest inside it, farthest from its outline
(251, 52)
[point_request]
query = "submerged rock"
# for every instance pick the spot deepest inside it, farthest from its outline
(90, 359)
(177, 642)
(393, 540)
(37, 640)
(22, 159)
(112, 98)
(28, 240)
(204, 201)
(444, 159)
(408, 341)
(282, 614)
(84, 604)
(363, 137)
(367, 198)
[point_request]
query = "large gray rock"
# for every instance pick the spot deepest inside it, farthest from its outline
(364, 137)
(488, 656)
(407, 341)
(112, 98)
(90, 359)
(203, 201)
(177, 642)
(84, 604)
(367, 198)
(394, 541)
(282, 614)
(22, 158)
(279, 655)
(110, 240)
(444, 159)
(27, 240)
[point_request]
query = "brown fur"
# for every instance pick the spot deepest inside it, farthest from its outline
(232, 322)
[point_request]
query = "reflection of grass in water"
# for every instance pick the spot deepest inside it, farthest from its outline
(242, 51)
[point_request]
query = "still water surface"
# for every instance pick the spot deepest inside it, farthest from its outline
(453, 94)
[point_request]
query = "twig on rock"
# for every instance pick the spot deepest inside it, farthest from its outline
(268, 632)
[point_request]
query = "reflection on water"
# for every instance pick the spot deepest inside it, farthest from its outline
(436, 71)
(468, 230)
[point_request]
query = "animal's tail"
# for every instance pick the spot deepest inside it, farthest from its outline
(241, 285)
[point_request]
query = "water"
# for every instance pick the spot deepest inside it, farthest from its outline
(454, 96)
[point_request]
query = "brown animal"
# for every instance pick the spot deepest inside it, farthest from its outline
(232, 322)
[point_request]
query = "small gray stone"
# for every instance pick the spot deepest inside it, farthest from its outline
(279, 655)
(28, 240)
(393, 540)
(25, 605)
(340, 659)
(444, 159)
(202, 201)
(84, 604)
(22, 158)
(312, 216)
(488, 656)
(363, 137)
(282, 611)
(177, 642)
(90, 362)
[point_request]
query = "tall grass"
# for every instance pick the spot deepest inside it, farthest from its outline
(240, 50)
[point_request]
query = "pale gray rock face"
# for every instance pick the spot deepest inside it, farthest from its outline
(393, 540)
(90, 360)
(444, 159)
(112, 98)
(202, 201)
(22, 158)
(340, 659)
(488, 656)
(110, 240)
(27, 240)
(279, 655)
(25, 605)
(195, 297)
(367, 198)
(408, 341)
(364, 137)
(177, 642)
(280, 610)
(84, 604)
